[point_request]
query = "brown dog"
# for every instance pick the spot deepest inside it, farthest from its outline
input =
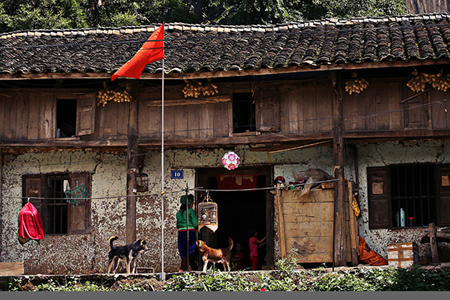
(222, 255)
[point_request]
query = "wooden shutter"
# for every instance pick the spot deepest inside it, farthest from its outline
(85, 114)
(443, 195)
(33, 186)
(79, 216)
(415, 109)
(379, 193)
(268, 111)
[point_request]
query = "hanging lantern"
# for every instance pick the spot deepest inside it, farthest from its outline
(231, 160)
(208, 214)
(142, 182)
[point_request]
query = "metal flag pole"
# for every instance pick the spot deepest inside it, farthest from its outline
(163, 275)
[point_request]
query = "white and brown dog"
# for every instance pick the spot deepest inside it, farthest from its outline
(128, 252)
(222, 255)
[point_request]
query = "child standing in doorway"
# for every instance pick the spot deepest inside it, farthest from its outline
(253, 244)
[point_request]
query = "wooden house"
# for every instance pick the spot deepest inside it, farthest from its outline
(363, 99)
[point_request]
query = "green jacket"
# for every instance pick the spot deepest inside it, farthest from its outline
(181, 219)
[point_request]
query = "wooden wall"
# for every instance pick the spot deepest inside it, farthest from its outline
(290, 107)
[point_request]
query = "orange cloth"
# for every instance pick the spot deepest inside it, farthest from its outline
(369, 256)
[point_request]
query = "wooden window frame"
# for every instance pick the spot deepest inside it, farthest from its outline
(380, 202)
(78, 216)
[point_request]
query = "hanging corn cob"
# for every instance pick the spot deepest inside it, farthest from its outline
(118, 96)
(356, 85)
(192, 89)
(440, 81)
(209, 88)
(418, 82)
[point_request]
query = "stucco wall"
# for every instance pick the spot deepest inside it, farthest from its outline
(87, 253)
(384, 154)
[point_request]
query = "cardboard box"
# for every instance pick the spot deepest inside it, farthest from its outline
(403, 255)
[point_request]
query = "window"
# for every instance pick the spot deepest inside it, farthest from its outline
(75, 116)
(66, 117)
(243, 113)
(408, 195)
(47, 194)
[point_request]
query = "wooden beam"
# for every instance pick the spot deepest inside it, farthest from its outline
(132, 168)
(189, 101)
(339, 251)
(433, 243)
(353, 222)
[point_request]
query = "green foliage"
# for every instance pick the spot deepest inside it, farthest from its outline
(285, 278)
(212, 281)
(47, 14)
(71, 286)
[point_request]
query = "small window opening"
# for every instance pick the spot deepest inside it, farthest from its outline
(56, 205)
(66, 117)
(243, 113)
(413, 195)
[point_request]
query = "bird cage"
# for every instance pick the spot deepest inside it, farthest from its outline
(208, 214)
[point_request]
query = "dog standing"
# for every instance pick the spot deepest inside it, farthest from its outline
(222, 255)
(128, 252)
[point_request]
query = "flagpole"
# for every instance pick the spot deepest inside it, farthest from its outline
(163, 275)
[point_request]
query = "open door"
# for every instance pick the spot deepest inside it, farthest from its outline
(240, 210)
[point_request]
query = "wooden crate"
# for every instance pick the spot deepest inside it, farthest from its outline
(403, 255)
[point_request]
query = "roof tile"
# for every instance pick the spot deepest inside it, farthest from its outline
(197, 48)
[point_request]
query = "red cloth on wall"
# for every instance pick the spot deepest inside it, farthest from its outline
(30, 224)
(236, 181)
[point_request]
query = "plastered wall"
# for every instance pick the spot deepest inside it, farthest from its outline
(87, 253)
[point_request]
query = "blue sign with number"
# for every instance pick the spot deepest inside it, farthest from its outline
(177, 174)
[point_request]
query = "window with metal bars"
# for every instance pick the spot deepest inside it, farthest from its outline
(408, 195)
(47, 193)
(413, 195)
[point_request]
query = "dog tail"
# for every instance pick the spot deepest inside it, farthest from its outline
(111, 240)
(230, 244)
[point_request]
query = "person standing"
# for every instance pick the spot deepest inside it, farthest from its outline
(187, 223)
(253, 244)
(238, 257)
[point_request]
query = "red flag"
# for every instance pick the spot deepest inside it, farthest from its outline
(150, 51)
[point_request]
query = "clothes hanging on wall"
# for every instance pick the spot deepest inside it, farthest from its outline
(30, 224)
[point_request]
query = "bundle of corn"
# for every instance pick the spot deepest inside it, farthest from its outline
(440, 81)
(192, 89)
(210, 89)
(118, 96)
(418, 82)
(356, 85)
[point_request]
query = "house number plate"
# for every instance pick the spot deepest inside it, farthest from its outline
(177, 174)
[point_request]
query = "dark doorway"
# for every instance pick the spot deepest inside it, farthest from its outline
(240, 212)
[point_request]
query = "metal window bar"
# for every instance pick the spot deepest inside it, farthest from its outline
(56, 204)
(413, 189)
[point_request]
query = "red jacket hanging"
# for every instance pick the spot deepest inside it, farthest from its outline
(30, 224)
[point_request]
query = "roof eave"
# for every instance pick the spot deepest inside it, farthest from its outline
(234, 73)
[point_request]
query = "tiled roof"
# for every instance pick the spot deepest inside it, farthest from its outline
(205, 48)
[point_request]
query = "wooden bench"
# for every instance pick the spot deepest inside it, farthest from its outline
(11, 268)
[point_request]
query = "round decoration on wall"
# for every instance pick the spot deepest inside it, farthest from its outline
(231, 160)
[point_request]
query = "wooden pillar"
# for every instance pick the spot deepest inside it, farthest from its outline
(339, 254)
(433, 243)
(132, 168)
